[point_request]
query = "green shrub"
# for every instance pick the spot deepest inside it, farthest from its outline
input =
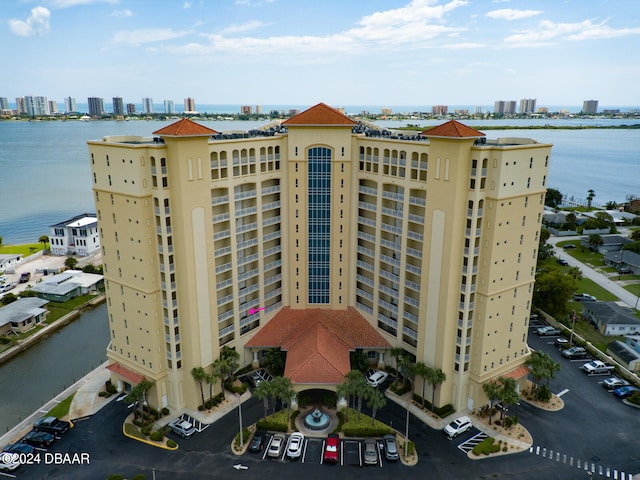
(634, 398)
(543, 394)
(146, 430)
(363, 426)
(245, 438)
(133, 431)
(171, 444)
(139, 476)
(165, 411)
(115, 476)
(411, 449)
(277, 422)
(486, 447)
(157, 436)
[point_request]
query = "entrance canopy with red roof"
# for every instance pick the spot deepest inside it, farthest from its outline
(318, 342)
(125, 373)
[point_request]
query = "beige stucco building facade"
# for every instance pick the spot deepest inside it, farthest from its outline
(431, 238)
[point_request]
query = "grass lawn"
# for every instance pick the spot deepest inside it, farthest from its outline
(62, 409)
(25, 249)
(586, 285)
(584, 255)
(589, 333)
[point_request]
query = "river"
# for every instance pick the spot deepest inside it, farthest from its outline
(38, 374)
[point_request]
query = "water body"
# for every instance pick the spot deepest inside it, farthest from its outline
(45, 175)
(41, 372)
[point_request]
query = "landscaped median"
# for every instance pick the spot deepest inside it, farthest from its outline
(156, 438)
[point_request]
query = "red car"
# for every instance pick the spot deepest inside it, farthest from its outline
(331, 448)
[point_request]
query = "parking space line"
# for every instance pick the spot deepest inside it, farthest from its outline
(566, 390)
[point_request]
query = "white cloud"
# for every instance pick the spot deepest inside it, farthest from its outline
(36, 24)
(243, 27)
(186, 5)
(512, 14)
(75, 3)
(253, 3)
(145, 35)
(549, 33)
(122, 13)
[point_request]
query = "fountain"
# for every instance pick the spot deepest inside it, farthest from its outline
(317, 420)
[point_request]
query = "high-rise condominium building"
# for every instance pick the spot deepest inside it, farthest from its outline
(246, 109)
(21, 106)
(118, 106)
(36, 105)
(590, 107)
(189, 105)
(53, 107)
(147, 105)
(96, 106)
(70, 105)
(528, 105)
(440, 109)
(318, 240)
(4, 103)
(131, 108)
(169, 107)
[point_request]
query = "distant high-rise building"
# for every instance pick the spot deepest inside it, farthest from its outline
(258, 109)
(53, 107)
(527, 105)
(477, 110)
(131, 108)
(440, 109)
(36, 105)
(96, 106)
(118, 106)
(147, 105)
(70, 105)
(590, 107)
(169, 107)
(4, 103)
(20, 106)
(189, 104)
(246, 110)
(498, 107)
(387, 111)
(510, 107)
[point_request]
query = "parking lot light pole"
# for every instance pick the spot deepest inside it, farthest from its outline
(573, 324)
(406, 433)
(240, 419)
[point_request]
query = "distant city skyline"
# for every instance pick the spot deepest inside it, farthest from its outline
(361, 52)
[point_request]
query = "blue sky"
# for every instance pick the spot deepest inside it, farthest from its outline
(342, 52)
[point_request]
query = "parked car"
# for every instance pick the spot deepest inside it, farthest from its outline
(548, 331)
(377, 378)
(569, 246)
(584, 297)
(561, 342)
(39, 439)
(563, 262)
(276, 446)
(18, 448)
(257, 442)
(182, 427)
(295, 444)
(390, 447)
(51, 425)
(370, 455)
(458, 426)
(574, 352)
(623, 270)
(331, 447)
(24, 277)
(624, 392)
(614, 382)
(255, 378)
(596, 367)
(5, 287)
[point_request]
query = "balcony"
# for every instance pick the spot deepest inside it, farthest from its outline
(220, 200)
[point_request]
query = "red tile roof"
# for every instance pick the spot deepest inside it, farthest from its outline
(320, 114)
(318, 342)
(517, 373)
(124, 372)
(452, 128)
(185, 128)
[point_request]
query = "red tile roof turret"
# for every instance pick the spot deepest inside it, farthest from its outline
(185, 128)
(320, 114)
(454, 129)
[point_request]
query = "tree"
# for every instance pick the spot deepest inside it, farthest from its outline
(199, 375)
(437, 377)
(396, 353)
(635, 235)
(575, 272)
(492, 391)
(220, 368)
(553, 198)
(590, 196)
(536, 366)
(44, 239)
(284, 392)
(344, 391)
(138, 394)
(507, 394)
(423, 371)
(595, 241)
(359, 360)
(633, 247)
(211, 378)
(553, 290)
(375, 400)
(0, 240)
(71, 263)
(264, 392)
(275, 361)
(571, 218)
(611, 205)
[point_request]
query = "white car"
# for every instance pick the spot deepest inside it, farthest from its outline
(294, 447)
(377, 378)
(458, 426)
(276, 446)
(182, 427)
(613, 383)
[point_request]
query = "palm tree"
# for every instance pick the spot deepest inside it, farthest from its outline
(264, 392)
(508, 394)
(396, 353)
(492, 391)
(575, 272)
(590, 196)
(436, 377)
(422, 370)
(211, 378)
(595, 241)
(376, 400)
(536, 366)
(220, 368)
(344, 390)
(284, 392)
(550, 368)
(199, 375)
(44, 239)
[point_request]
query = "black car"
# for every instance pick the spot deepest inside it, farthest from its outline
(569, 246)
(563, 262)
(257, 442)
(39, 439)
(18, 448)
(51, 425)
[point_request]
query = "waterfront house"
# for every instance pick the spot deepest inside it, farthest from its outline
(77, 236)
(22, 315)
(8, 261)
(67, 285)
